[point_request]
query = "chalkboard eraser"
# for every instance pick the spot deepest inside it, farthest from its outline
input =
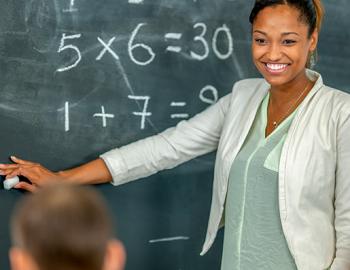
(11, 182)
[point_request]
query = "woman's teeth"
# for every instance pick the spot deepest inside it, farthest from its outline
(276, 67)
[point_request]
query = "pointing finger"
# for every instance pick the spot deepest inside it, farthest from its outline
(21, 161)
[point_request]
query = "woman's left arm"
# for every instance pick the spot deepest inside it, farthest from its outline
(342, 197)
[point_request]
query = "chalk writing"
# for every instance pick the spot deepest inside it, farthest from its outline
(208, 95)
(213, 91)
(103, 116)
(225, 30)
(141, 53)
(135, 1)
(132, 47)
(64, 47)
(66, 116)
(169, 239)
(107, 48)
(178, 104)
(179, 115)
(202, 40)
(145, 51)
(71, 7)
(144, 112)
(175, 36)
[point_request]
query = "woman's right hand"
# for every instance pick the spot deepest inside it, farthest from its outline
(36, 174)
(93, 172)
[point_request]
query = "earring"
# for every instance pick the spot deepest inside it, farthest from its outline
(313, 59)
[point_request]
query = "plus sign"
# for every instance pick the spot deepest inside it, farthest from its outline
(104, 116)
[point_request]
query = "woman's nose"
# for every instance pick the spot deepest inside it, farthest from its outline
(275, 52)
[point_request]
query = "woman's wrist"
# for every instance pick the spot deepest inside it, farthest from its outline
(64, 176)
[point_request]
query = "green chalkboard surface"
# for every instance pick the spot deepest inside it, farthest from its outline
(80, 77)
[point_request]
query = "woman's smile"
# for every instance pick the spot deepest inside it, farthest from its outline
(276, 69)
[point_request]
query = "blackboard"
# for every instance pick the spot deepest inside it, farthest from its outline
(79, 77)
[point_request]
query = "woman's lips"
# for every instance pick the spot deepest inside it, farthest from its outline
(276, 68)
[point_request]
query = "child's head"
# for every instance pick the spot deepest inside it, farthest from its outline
(64, 227)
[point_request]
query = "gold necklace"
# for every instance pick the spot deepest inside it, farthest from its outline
(276, 123)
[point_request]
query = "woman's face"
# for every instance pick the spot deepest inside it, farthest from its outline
(280, 45)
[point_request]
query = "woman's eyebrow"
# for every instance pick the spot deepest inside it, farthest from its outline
(290, 33)
(283, 34)
(260, 32)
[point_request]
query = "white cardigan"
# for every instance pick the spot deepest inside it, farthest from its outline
(314, 170)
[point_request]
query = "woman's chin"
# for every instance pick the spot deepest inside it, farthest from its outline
(274, 80)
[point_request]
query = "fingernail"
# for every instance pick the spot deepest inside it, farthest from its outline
(13, 157)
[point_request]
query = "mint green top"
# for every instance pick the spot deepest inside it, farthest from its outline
(253, 231)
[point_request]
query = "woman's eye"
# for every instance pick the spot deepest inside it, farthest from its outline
(289, 42)
(260, 41)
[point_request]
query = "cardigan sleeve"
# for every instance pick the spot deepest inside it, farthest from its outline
(189, 139)
(342, 197)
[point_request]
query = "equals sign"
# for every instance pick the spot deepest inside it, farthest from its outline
(179, 115)
(175, 36)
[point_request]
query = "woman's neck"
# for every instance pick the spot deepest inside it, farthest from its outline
(281, 95)
(284, 99)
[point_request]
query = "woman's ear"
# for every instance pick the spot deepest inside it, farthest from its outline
(21, 260)
(115, 256)
(313, 41)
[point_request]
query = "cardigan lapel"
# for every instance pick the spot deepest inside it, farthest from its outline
(245, 111)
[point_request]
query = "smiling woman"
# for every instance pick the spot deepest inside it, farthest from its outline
(281, 184)
(283, 40)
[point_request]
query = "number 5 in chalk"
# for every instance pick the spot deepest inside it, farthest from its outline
(11, 182)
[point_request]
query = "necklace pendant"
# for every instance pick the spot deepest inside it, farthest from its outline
(275, 123)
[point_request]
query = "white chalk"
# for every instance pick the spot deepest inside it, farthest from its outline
(11, 182)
